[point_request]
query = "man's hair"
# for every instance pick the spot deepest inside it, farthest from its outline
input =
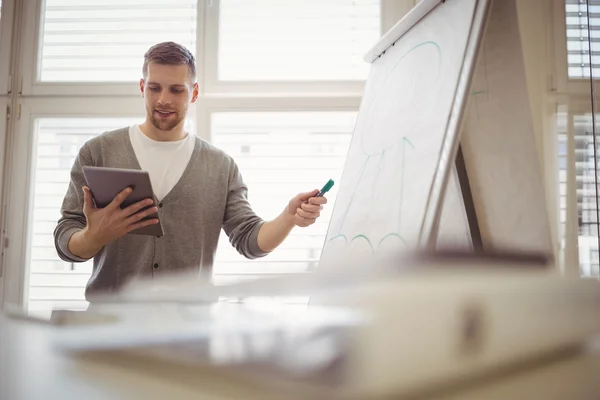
(169, 53)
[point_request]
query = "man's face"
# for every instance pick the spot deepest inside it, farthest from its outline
(168, 91)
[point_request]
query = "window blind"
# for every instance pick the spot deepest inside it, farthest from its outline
(296, 40)
(585, 187)
(105, 40)
(583, 38)
(279, 154)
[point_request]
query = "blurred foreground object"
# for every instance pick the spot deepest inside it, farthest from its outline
(399, 327)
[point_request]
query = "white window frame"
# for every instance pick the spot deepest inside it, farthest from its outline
(32, 31)
(4, 101)
(6, 33)
(63, 100)
(206, 58)
(575, 95)
(6, 28)
(573, 105)
(561, 84)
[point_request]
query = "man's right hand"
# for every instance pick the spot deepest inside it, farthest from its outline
(107, 224)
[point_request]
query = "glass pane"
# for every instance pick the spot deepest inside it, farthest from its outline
(281, 154)
(296, 40)
(580, 27)
(105, 40)
(586, 190)
(52, 282)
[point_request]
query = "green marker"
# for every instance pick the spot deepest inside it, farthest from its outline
(325, 189)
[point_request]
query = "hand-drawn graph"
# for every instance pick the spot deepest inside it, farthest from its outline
(369, 212)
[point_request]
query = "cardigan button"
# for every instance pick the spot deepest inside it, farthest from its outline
(155, 265)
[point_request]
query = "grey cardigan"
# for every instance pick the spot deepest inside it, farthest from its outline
(209, 196)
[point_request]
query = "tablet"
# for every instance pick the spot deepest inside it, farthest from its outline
(105, 183)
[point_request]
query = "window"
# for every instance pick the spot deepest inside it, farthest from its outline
(587, 213)
(5, 44)
(3, 124)
(582, 23)
(79, 79)
(281, 154)
(105, 40)
(296, 40)
(58, 140)
(594, 264)
(5, 48)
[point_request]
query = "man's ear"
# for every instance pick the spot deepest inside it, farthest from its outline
(195, 93)
(142, 86)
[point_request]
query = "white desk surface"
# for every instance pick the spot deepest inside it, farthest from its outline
(30, 369)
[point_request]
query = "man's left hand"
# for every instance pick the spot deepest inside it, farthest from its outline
(305, 208)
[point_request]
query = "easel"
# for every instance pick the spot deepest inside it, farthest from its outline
(497, 164)
(487, 191)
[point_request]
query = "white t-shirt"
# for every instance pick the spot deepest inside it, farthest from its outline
(164, 161)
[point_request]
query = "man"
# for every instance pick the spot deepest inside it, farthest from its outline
(198, 190)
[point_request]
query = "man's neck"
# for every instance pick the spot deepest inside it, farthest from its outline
(177, 133)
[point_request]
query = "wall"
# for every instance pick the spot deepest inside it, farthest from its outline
(535, 24)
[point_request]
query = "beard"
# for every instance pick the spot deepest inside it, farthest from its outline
(165, 124)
